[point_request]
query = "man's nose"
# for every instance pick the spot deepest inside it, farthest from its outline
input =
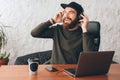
(66, 15)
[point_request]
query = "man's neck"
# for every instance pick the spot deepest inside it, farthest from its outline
(74, 28)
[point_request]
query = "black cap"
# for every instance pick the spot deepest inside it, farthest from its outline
(75, 6)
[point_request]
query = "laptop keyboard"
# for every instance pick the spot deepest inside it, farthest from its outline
(71, 70)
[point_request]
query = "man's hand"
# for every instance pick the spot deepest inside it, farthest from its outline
(57, 18)
(84, 22)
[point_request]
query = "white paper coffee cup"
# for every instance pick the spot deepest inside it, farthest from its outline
(33, 66)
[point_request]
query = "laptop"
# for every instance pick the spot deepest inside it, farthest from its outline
(92, 63)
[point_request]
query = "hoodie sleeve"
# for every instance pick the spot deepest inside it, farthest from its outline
(88, 42)
(43, 30)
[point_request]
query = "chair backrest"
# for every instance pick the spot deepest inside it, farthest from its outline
(94, 29)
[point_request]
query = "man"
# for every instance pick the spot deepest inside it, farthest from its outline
(69, 39)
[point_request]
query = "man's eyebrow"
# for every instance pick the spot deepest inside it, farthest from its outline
(72, 11)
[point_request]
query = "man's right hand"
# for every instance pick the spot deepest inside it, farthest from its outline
(58, 18)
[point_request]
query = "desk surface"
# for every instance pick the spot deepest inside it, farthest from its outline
(21, 72)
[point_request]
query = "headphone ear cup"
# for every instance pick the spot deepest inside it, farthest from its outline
(80, 17)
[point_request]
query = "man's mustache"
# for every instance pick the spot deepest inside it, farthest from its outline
(67, 18)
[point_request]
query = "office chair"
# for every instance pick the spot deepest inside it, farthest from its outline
(94, 29)
(44, 57)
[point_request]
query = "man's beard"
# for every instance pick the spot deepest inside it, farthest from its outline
(70, 25)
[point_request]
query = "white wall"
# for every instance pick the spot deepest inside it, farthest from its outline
(23, 15)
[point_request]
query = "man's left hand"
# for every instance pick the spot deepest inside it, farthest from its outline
(84, 22)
